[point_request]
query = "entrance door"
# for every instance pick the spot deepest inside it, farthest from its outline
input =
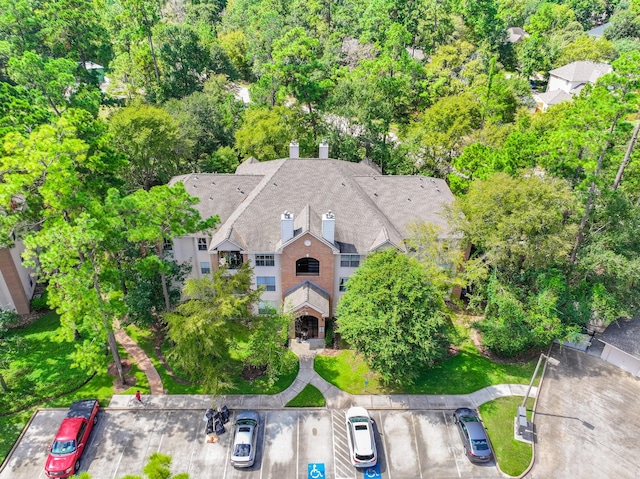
(308, 324)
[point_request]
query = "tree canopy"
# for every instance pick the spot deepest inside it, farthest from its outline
(394, 315)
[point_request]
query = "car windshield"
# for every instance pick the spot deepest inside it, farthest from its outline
(61, 448)
(242, 450)
(367, 457)
(246, 422)
(470, 419)
(480, 444)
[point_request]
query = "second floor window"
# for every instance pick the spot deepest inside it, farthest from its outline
(350, 260)
(202, 244)
(205, 267)
(265, 260)
(307, 267)
(167, 245)
(269, 282)
(343, 284)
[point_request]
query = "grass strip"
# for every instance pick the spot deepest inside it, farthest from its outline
(310, 396)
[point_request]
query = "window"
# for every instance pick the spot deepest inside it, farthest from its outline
(307, 267)
(233, 259)
(205, 267)
(202, 244)
(265, 260)
(167, 244)
(350, 260)
(343, 284)
(269, 282)
(265, 307)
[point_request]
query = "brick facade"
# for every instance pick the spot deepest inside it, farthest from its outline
(318, 250)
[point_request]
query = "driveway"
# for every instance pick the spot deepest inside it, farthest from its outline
(587, 420)
(295, 444)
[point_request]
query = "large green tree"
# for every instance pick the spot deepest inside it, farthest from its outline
(518, 223)
(200, 328)
(394, 315)
(150, 139)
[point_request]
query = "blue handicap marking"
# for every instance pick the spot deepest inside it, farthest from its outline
(316, 471)
(372, 472)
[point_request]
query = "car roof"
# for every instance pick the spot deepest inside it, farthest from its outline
(68, 429)
(476, 431)
(244, 435)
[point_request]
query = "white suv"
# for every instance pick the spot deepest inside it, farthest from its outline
(362, 444)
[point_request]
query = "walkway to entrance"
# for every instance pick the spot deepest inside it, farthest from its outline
(336, 398)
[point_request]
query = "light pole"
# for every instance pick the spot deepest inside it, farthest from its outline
(521, 419)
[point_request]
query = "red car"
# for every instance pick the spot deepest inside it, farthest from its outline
(71, 439)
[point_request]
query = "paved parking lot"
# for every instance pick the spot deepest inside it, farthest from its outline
(295, 444)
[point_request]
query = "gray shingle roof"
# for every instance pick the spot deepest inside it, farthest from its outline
(364, 203)
(309, 293)
(624, 334)
(582, 71)
(554, 97)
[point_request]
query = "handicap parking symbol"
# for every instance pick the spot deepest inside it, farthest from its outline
(316, 471)
(372, 472)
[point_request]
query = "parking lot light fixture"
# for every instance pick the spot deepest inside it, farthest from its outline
(521, 422)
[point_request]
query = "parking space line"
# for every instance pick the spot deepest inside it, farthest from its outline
(415, 437)
(193, 449)
(386, 448)
(264, 435)
(453, 449)
(342, 470)
(297, 443)
(228, 455)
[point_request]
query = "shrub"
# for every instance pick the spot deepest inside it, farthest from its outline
(40, 303)
(328, 334)
(8, 319)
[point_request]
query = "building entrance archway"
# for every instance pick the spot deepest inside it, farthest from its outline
(306, 327)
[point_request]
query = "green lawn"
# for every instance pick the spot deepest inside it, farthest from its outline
(42, 376)
(464, 373)
(310, 396)
(513, 456)
(240, 386)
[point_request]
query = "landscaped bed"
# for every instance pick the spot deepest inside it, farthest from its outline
(466, 370)
(174, 384)
(498, 415)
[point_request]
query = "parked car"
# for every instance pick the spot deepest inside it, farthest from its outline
(473, 434)
(245, 439)
(362, 444)
(71, 439)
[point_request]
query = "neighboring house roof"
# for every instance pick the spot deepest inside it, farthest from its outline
(597, 32)
(624, 334)
(307, 294)
(582, 71)
(89, 65)
(552, 97)
(416, 53)
(516, 34)
(370, 209)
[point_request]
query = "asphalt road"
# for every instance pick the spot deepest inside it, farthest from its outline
(294, 444)
(587, 420)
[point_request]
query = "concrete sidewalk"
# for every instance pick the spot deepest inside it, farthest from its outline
(336, 398)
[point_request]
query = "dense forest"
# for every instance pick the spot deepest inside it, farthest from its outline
(550, 200)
